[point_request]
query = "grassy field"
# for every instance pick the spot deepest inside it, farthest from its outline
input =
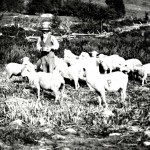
(133, 7)
(77, 123)
(79, 111)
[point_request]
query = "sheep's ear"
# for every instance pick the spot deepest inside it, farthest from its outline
(84, 69)
(97, 55)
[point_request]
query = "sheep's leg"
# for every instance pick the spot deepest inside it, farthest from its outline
(91, 89)
(110, 69)
(105, 72)
(38, 92)
(62, 93)
(123, 94)
(102, 98)
(76, 84)
(144, 80)
(56, 93)
(9, 77)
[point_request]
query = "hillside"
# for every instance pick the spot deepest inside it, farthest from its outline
(133, 7)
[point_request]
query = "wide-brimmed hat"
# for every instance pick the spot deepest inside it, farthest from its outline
(45, 26)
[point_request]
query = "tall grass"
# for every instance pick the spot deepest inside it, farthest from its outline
(127, 45)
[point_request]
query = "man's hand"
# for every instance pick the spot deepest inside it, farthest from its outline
(47, 49)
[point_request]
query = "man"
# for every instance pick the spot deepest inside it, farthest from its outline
(47, 44)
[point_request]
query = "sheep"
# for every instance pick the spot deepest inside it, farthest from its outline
(69, 57)
(13, 69)
(94, 54)
(26, 61)
(84, 55)
(143, 72)
(112, 82)
(112, 62)
(48, 81)
(131, 65)
(70, 72)
(60, 63)
(75, 71)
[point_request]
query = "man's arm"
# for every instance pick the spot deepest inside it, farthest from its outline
(55, 45)
(38, 45)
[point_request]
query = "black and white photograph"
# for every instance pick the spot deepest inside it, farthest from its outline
(74, 74)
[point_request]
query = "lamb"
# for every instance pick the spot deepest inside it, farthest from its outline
(48, 81)
(84, 55)
(112, 62)
(26, 61)
(131, 65)
(70, 72)
(75, 71)
(69, 57)
(60, 63)
(13, 69)
(112, 82)
(94, 54)
(143, 72)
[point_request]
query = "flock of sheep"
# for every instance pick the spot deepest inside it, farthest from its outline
(114, 77)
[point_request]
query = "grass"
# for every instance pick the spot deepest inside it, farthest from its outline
(78, 111)
(134, 8)
(26, 123)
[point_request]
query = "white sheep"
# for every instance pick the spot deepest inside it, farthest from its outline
(112, 62)
(131, 65)
(70, 72)
(94, 54)
(26, 61)
(13, 69)
(143, 72)
(84, 55)
(75, 71)
(60, 63)
(112, 82)
(48, 81)
(69, 57)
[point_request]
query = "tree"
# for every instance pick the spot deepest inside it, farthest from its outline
(37, 6)
(118, 6)
(14, 6)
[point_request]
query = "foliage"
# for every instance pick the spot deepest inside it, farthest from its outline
(118, 5)
(37, 6)
(79, 109)
(12, 6)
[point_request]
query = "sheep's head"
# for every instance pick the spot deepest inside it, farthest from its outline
(94, 54)
(26, 70)
(25, 60)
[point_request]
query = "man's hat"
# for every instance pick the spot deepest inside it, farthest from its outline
(46, 26)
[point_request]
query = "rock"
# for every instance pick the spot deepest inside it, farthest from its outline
(71, 131)
(65, 148)
(147, 133)
(135, 129)
(146, 143)
(16, 124)
(114, 134)
(108, 113)
(58, 137)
